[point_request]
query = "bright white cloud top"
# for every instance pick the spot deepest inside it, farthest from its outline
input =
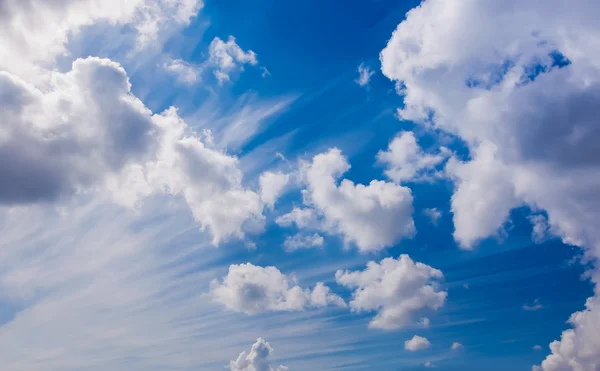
(416, 343)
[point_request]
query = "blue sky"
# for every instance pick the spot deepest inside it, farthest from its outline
(142, 228)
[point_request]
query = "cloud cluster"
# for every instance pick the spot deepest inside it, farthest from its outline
(371, 217)
(90, 133)
(252, 290)
(501, 90)
(256, 360)
(397, 289)
(303, 241)
(364, 75)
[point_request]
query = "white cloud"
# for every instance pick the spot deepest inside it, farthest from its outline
(425, 322)
(256, 360)
(89, 132)
(302, 218)
(537, 347)
(428, 364)
(272, 185)
(500, 91)
(456, 346)
(252, 289)
(36, 31)
(540, 228)
(372, 217)
(228, 57)
(185, 72)
(397, 289)
(416, 343)
(534, 307)
(364, 75)
(303, 241)
(433, 214)
(406, 161)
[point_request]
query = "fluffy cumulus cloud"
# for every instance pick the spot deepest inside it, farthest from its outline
(364, 75)
(272, 185)
(397, 289)
(90, 133)
(406, 161)
(371, 216)
(416, 343)
(540, 229)
(228, 56)
(500, 90)
(252, 289)
(256, 360)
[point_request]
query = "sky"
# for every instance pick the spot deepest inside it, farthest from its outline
(299, 185)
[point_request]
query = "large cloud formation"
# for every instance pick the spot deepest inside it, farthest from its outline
(89, 132)
(397, 289)
(524, 99)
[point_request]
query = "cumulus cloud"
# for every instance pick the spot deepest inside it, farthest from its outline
(406, 161)
(255, 360)
(302, 218)
(272, 185)
(364, 75)
(456, 346)
(371, 216)
(537, 347)
(416, 343)
(184, 72)
(228, 56)
(501, 90)
(252, 289)
(303, 241)
(433, 214)
(90, 133)
(397, 289)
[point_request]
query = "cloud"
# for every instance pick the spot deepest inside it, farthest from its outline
(540, 228)
(228, 57)
(364, 75)
(252, 290)
(534, 307)
(272, 185)
(406, 161)
(428, 364)
(500, 92)
(186, 73)
(397, 289)
(36, 31)
(416, 343)
(90, 133)
(372, 217)
(302, 241)
(256, 360)
(456, 346)
(433, 214)
(537, 347)
(302, 218)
